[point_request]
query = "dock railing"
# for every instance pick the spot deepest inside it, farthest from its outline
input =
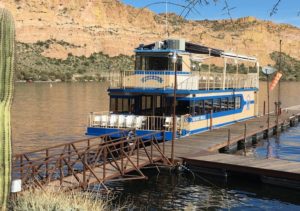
(92, 160)
(186, 81)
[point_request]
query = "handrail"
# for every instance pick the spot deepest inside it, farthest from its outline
(207, 80)
(78, 165)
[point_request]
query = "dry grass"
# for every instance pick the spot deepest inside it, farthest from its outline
(38, 200)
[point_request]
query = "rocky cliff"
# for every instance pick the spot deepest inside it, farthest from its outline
(111, 27)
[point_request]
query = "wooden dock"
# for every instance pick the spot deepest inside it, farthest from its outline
(272, 171)
(231, 136)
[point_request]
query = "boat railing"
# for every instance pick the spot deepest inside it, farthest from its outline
(189, 81)
(143, 79)
(106, 119)
(212, 81)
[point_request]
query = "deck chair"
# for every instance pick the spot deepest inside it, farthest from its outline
(140, 122)
(113, 121)
(168, 123)
(96, 121)
(121, 121)
(104, 121)
(129, 121)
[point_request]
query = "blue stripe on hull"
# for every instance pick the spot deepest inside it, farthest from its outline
(96, 131)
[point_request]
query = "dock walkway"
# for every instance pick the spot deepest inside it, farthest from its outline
(272, 171)
(218, 139)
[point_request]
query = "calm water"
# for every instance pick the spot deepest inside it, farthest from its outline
(43, 116)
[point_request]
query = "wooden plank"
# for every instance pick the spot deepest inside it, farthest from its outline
(262, 167)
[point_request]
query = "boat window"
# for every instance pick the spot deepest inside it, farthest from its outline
(122, 104)
(161, 62)
(146, 105)
(131, 105)
(119, 105)
(237, 102)
(125, 105)
(199, 107)
(217, 105)
(178, 64)
(112, 105)
(224, 104)
(148, 102)
(192, 108)
(208, 106)
(182, 107)
(231, 103)
(158, 101)
(138, 62)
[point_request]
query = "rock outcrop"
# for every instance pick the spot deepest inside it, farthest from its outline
(111, 27)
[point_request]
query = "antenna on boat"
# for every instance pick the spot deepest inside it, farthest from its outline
(167, 33)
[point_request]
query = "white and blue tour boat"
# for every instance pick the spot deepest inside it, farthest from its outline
(206, 97)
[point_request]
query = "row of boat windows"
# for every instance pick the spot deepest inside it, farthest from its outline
(201, 107)
(161, 105)
(157, 63)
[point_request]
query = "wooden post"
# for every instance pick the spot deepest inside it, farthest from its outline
(163, 142)
(122, 159)
(84, 171)
(229, 137)
(245, 137)
(69, 159)
(21, 165)
(174, 60)
(211, 119)
(277, 119)
(151, 142)
(268, 91)
(60, 170)
(138, 152)
(224, 74)
(264, 108)
(104, 162)
(47, 164)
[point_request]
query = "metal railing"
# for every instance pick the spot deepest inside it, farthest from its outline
(106, 119)
(94, 160)
(192, 81)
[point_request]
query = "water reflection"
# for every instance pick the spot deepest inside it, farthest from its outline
(284, 146)
(43, 116)
(178, 192)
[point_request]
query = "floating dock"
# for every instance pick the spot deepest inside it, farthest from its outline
(271, 171)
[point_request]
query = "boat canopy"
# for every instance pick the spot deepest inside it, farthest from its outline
(188, 47)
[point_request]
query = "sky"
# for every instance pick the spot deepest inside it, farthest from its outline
(288, 10)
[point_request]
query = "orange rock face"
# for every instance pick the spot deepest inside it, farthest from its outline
(114, 28)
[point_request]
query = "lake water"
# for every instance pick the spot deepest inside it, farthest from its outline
(44, 116)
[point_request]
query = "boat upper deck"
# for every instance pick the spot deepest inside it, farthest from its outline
(196, 67)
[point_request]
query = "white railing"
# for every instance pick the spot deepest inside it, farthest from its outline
(144, 79)
(192, 81)
(109, 120)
